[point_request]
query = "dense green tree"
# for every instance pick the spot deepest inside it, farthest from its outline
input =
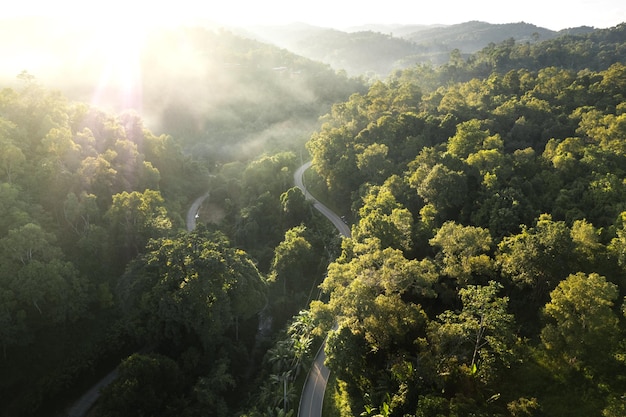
(193, 289)
(14, 331)
(55, 289)
(591, 254)
(294, 262)
(295, 207)
(134, 218)
(147, 385)
(97, 177)
(39, 287)
(471, 138)
(617, 247)
(14, 209)
(373, 163)
(383, 218)
(269, 173)
(28, 243)
(539, 257)
(583, 328)
(80, 212)
(375, 298)
(256, 229)
(210, 390)
(444, 188)
(464, 252)
(479, 338)
(12, 159)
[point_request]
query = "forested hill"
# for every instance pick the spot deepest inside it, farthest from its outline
(596, 51)
(219, 94)
(92, 205)
(485, 273)
(470, 37)
(377, 50)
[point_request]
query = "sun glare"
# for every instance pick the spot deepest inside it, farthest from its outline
(118, 45)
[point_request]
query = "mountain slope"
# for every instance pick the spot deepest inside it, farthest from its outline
(377, 50)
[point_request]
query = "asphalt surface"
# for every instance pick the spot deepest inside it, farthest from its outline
(84, 403)
(312, 398)
(193, 212)
(336, 220)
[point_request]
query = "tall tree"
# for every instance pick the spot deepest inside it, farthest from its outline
(12, 158)
(193, 289)
(539, 257)
(134, 218)
(147, 385)
(479, 337)
(582, 328)
(294, 262)
(464, 252)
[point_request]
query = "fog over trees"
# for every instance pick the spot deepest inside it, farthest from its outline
(486, 196)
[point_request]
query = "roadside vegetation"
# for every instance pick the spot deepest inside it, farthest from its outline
(484, 275)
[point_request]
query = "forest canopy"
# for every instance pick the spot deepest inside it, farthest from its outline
(484, 274)
(515, 187)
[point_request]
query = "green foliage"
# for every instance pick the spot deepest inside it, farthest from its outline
(134, 218)
(147, 385)
(293, 271)
(484, 193)
(384, 218)
(210, 390)
(479, 338)
(514, 181)
(464, 252)
(192, 289)
(529, 257)
(583, 326)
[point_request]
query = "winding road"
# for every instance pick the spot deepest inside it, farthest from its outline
(192, 213)
(312, 398)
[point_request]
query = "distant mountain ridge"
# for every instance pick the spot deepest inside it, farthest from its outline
(474, 35)
(377, 50)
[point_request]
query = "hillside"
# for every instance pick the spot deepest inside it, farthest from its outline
(218, 92)
(485, 270)
(376, 50)
(101, 154)
(486, 198)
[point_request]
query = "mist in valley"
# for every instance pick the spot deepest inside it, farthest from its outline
(465, 159)
(221, 95)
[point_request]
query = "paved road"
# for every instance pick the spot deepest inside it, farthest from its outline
(193, 211)
(84, 403)
(298, 178)
(313, 392)
(312, 397)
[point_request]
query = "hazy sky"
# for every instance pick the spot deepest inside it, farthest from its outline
(552, 14)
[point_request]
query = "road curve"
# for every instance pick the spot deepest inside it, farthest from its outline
(298, 178)
(81, 407)
(193, 212)
(312, 397)
(315, 385)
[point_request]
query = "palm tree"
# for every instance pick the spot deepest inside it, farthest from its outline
(281, 357)
(282, 382)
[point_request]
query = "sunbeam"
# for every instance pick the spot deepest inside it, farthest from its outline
(118, 46)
